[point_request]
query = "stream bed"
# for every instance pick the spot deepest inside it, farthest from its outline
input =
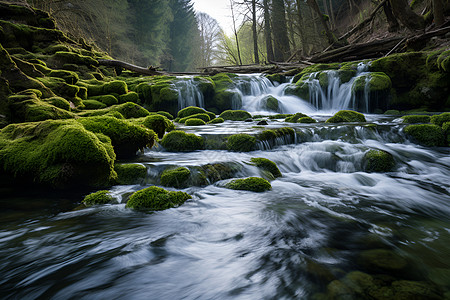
(326, 229)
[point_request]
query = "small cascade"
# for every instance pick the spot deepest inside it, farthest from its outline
(188, 93)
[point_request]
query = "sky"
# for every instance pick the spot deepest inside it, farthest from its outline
(219, 10)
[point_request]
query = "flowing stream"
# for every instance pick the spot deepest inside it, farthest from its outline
(324, 219)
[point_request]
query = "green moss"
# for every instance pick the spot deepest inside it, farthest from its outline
(98, 198)
(129, 97)
(127, 110)
(346, 116)
(158, 124)
(194, 122)
(446, 129)
(82, 92)
(392, 112)
(270, 103)
(276, 78)
(58, 153)
(235, 115)
(413, 119)
(426, 134)
(218, 171)
(68, 76)
(179, 141)
(216, 121)
(63, 57)
(165, 114)
(130, 173)
(126, 138)
(315, 68)
(266, 165)
(156, 198)
(440, 119)
(108, 100)
(189, 111)
(378, 161)
(58, 102)
(306, 120)
(295, 118)
(115, 87)
(93, 104)
(201, 116)
(253, 184)
(376, 82)
(241, 142)
(300, 89)
(175, 177)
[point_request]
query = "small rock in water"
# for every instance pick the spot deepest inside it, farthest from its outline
(263, 122)
(248, 120)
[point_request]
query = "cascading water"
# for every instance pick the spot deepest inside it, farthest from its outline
(188, 93)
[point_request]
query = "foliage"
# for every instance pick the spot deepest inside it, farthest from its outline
(156, 198)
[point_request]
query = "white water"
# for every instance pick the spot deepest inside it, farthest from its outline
(188, 93)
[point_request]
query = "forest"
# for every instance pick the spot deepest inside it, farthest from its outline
(170, 35)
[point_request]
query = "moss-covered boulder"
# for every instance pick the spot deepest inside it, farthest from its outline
(414, 119)
(130, 173)
(93, 104)
(306, 120)
(156, 198)
(266, 165)
(126, 138)
(108, 100)
(276, 78)
(300, 89)
(194, 122)
(99, 198)
(241, 142)
(346, 116)
(235, 115)
(378, 161)
(175, 177)
(58, 102)
(374, 82)
(270, 103)
(426, 134)
(126, 110)
(294, 118)
(57, 153)
(218, 171)
(156, 122)
(253, 184)
(216, 121)
(440, 119)
(180, 141)
(61, 58)
(115, 87)
(129, 97)
(201, 116)
(270, 135)
(189, 111)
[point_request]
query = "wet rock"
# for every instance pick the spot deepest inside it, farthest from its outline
(262, 122)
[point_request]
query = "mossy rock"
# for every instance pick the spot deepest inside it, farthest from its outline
(235, 115)
(300, 89)
(157, 123)
(126, 138)
(218, 171)
(446, 129)
(165, 114)
(130, 173)
(63, 57)
(206, 85)
(115, 87)
(266, 165)
(68, 76)
(346, 116)
(93, 104)
(294, 118)
(129, 97)
(175, 177)
(189, 111)
(378, 161)
(194, 122)
(241, 142)
(375, 82)
(276, 78)
(201, 116)
(226, 99)
(180, 141)
(393, 112)
(440, 119)
(270, 103)
(99, 198)
(414, 119)
(127, 110)
(58, 102)
(426, 134)
(306, 120)
(108, 100)
(156, 198)
(272, 134)
(216, 121)
(57, 153)
(253, 184)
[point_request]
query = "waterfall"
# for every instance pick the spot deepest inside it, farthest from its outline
(188, 93)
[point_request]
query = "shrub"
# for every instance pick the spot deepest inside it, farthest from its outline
(241, 142)
(411, 119)
(266, 165)
(175, 177)
(378, 161)
(235, 115)
(98, 198)
(194, 122)
(254, 184)
(179, 141)
(156, 198)
(346, 116)
(426, 134)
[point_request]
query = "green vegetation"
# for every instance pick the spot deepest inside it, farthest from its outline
(241, 142)
(194, 122)
(179, 141)
(175, 177)
(235, 115)
(156, 198)
(270, 103)
(253, 184)
(266, 165)
(414, 119)
(295, 118)
(99, 198)
(189, 111)
(201, 116)
(378, 161)
(216, 121)
(130, 173)
(346, 116)
(272, 134)
(426, 134)
(440, 119)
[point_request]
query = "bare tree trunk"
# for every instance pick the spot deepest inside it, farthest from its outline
(291, 26)
(268, 32)
(406, 16)
(255, 34)
(281, 40)
(392, 21)
(332, 17)
(235, 33)
(438, 12)
(301, 29)
(313, 4)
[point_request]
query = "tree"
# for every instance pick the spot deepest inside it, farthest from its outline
(438, 12)
(406, 15)
(313, 4)
(281, 41)
(210, 32)
(255, 34)
(268, 31)
(235, 32)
